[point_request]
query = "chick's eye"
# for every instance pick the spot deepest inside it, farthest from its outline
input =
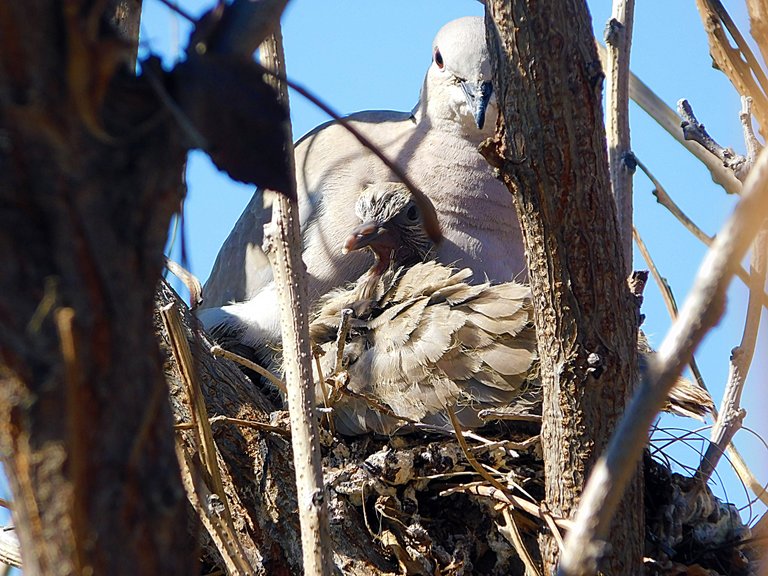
(439, 59)
(413, 213)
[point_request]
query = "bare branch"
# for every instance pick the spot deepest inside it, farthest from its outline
(618, 39)
(198, 411)
(741, 43)
(666, 200)
(737, 461)
(341, 338)
(511, 532)
(189, 280)
(695, 131)
(283, 248)
(701, 311)
(669, 300)
(208, 507)
(260, 370)
(731, 414)
(516, 501)
(758, 21)
(750, 140)
(655, 107)
(738, 64)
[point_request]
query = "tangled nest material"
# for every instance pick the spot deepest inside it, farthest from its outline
(429, 508)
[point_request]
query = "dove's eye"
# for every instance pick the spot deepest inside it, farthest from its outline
(413, 213)
(439, 59)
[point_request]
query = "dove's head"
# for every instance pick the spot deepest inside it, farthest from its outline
(392, 227)
(458, 92)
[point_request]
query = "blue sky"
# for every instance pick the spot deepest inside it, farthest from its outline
(373, 55)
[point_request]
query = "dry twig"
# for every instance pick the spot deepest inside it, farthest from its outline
(666, 117)
(481, 489)
(695, 131)
(198, 411)
(731, 414)
(512, 533)
(238, 422)
(217, 350)
(738, 64)
(668, 297)
(209, 509)
(666, 200)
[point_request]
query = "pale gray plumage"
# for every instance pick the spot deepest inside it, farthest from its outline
(422, 339)
(436, 145)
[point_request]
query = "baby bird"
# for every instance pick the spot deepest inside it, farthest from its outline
(421, 338)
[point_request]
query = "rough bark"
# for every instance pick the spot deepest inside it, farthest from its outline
(551, 153)
(90, 169)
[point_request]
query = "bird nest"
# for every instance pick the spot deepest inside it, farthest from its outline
(442, 508)
(420, 503)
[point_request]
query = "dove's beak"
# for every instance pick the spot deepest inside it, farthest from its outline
(478, 96)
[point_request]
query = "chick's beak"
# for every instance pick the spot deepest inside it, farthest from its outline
(364, 235)
(478, 95)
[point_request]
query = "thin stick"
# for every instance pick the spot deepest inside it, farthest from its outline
(341, 338)
(217, 350)
(468, 453)
(751, 141)
(618, 39)
(665, 200)
(741, 44)
(666, 117)
(731, 414)
(198, 411)
(221, 531)
(502, 496)
(189, 280)
(729, 59)
(702, 309)
(283, 248)
(512, 533)
(695, 131)
(552, 525)
(669, 301)
(238, 422)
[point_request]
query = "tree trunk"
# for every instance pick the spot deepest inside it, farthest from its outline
(90, 167)
(551, 152)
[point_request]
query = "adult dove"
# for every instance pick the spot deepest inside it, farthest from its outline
(435, 144)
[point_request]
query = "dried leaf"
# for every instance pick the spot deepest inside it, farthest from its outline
(238, 115)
